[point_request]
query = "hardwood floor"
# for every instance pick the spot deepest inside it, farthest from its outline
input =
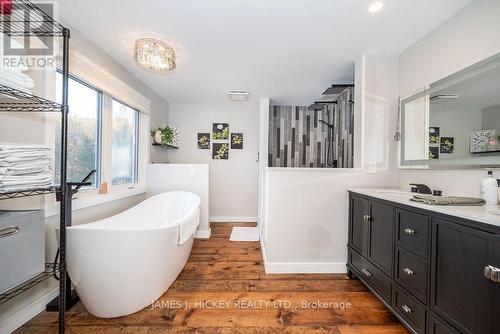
(224, 289)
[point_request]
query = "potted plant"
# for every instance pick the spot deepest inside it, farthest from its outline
(166, 135)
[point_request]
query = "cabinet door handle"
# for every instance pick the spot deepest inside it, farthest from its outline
(406, 309)
(492, 273)
(408, 271)
(409, 231)
(487, 272)
(9, 231)
(366, 272)
(366, 218)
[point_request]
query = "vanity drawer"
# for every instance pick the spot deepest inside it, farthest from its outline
(372, 276)
(411, 310)
(413, 231)
(437, 326)
(412, 272)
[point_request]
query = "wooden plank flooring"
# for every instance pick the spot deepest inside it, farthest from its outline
(224, 289)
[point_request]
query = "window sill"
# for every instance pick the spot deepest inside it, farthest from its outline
(95, 199)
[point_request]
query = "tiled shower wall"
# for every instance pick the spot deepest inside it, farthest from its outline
(297, 139)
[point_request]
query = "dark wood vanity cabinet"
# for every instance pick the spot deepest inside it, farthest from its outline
(371, 221)
(429, 269)
(359, 227)
(460, 293)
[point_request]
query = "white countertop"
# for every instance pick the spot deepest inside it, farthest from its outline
(476, 213)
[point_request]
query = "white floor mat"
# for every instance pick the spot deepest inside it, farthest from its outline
(245, 234)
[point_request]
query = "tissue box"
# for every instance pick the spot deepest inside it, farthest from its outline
(22, 252)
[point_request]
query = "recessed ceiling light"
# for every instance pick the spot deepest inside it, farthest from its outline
(376, 6)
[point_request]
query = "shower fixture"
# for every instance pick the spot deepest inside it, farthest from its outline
(329, 140)
(326, 123)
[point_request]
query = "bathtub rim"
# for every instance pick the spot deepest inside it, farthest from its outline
(92, 225)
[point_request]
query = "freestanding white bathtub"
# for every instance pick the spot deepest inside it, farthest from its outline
(122, 264)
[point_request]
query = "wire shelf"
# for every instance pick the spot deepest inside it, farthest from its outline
(27, 193)
(50, 268)
(26, 19)
(13, 100)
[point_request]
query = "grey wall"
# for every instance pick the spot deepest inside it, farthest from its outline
(491, 118)
(298, 139)
(233, 182)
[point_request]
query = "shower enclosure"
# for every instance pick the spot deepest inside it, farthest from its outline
(320, 137)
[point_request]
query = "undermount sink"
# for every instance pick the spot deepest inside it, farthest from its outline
(395, 193)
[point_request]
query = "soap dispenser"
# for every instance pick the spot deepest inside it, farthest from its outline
(489, 189)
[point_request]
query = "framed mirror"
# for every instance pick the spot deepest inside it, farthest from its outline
(454, 122)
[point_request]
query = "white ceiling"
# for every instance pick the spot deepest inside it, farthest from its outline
(288, 50)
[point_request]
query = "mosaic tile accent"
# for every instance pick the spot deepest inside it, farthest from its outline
(298, 139)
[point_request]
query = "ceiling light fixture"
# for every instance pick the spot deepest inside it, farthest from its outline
(376, 6)
(154, 55)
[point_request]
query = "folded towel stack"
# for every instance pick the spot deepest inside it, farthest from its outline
(17, 80)
(451, 201)
(10, 76)
(25, 166)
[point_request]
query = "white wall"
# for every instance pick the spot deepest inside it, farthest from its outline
(306, 210)
(171, 177)
(263, 160)
(233, 182)
(470, 36)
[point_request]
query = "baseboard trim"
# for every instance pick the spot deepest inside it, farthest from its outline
(27, 313)
(300, 268)
(305, 268)
(233, 219)
(203, 234)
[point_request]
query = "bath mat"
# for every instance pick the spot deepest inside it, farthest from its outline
(245, 234)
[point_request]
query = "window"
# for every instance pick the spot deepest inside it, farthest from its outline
(103, 134)
(124, 144)
(83, 130)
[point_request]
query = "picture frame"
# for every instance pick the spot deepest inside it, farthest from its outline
(203, 141)
(236, 141)
(447, 145)
(220, 151)
(220, 131)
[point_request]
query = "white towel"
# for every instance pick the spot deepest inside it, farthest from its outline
(24, 166)
(30, 177)
(10, 84)
(25, 162)
(15, 42)
(23, 187)
(13, 146)
(26, 154)
(24, 170)
(17, 78)
(188, 226)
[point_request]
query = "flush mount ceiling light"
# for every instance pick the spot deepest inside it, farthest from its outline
(376, 6)
(154, 55)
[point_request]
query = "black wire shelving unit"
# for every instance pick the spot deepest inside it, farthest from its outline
(28, 192)
(25, 19)
(13, 100)
(50, 270)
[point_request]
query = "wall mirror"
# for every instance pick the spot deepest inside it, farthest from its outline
(454, 122)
